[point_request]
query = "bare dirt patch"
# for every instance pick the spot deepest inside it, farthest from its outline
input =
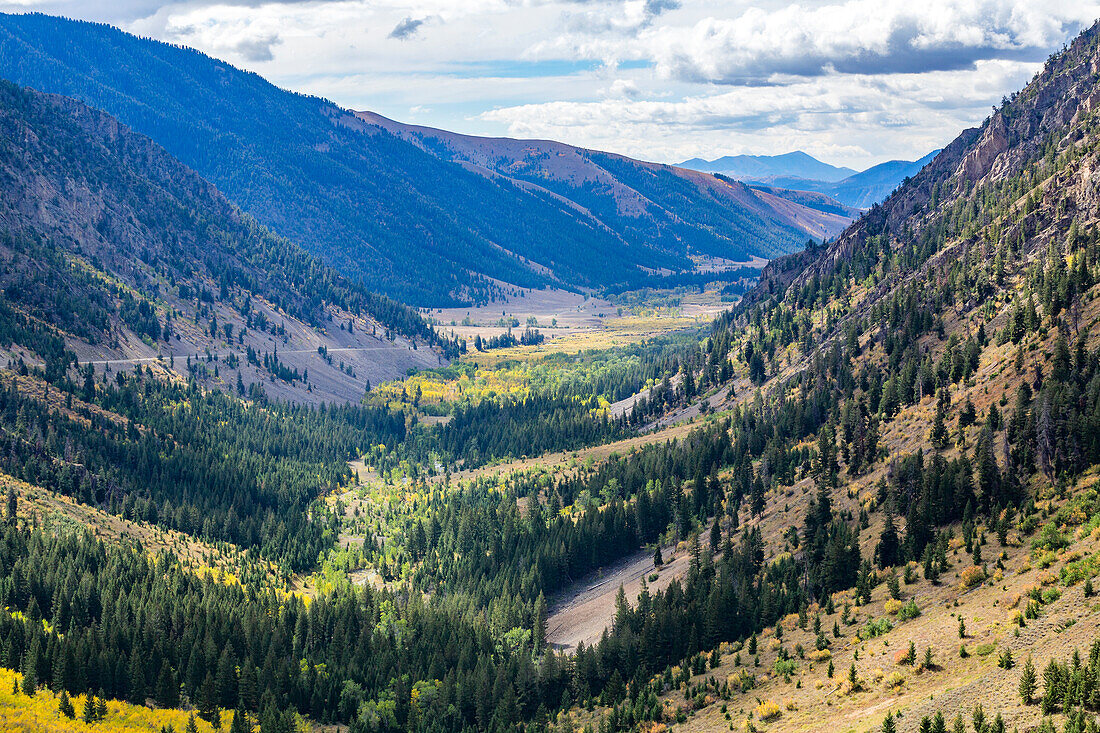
(580, 613)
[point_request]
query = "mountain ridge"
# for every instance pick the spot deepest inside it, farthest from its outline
(380, 209)
(797, 164)
(128, 256)
(859, 190)
(562, 170)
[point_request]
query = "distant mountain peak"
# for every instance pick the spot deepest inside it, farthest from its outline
(799, 171)
(793, 164)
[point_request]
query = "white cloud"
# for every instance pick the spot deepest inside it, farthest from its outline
(855, 81)
(846, 118)
(624, 88)
(757, 44)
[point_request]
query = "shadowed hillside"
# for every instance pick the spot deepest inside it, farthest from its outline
(113, 250)
(377, 207)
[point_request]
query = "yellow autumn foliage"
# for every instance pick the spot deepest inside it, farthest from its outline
(40, 714)
(972, 576)
(513, 379)
(894, 681)
(768, 710)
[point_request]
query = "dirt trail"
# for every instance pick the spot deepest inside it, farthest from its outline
(582, 611)
(195, 353)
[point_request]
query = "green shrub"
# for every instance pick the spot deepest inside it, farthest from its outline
(785, 667)
(1050, 538)
(875, 627)
(909, 611)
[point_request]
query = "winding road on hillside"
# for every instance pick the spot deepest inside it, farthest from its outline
(143, 359)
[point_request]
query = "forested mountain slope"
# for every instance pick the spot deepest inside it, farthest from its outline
(381, 209)
(933, 373)
(889, 501)
(114, 250)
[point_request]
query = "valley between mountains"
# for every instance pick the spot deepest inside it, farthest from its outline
(311, 420)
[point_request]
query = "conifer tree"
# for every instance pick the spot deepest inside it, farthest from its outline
(977, 717)
(888, 543)
(622, 611)
(1053, 687)
(137, 678)
(938, 434)
(65, 706)
(939, 725)
(1028, 682)
(30, 677)
(209, 709)
(540, 618)
(240, 722)
(757, 498)
(168, 689)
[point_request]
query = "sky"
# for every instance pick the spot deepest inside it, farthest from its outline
(853, 83)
